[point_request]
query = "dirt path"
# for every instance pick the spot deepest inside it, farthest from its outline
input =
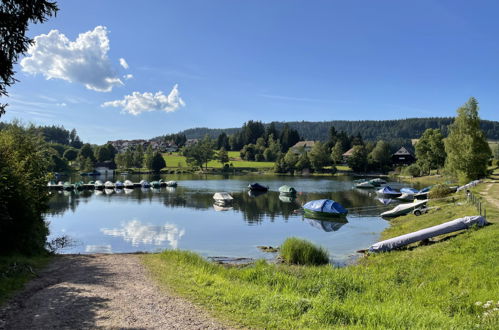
(99, 291)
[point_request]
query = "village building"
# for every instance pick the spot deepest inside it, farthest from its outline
(347, 154)
(301, 146)
(403, 157)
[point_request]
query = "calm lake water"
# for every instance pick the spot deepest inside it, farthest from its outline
(185, 217)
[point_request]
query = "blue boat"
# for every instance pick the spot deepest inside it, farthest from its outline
(409, 191)
(324, 208)
(388, 192)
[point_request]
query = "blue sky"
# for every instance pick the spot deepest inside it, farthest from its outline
(221, 63)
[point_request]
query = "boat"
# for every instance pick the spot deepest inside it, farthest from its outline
(388, 192)
(423, 193)
(119, 185)
(364, 185)
(324, 208)
(427, 233)
(68, 186)
(407, 194)
(79, 185)
(287, 190)
(109, 185)
(171, 183)
(377, 182)
(406, 190)
(98, 185)
(144, 184)
(403, 209)
(128, 184)
(385, 201)
(257, 187)
(156, 184)
(222, 198)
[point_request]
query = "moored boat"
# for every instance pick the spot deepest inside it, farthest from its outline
(98, 185)
(377, 182)
(145, 184)
(257, 187)
(324, 208)
(222, 198)
(388, 192)
(156, 184)
(109, 185)
(128, 184)
(68, 186)
(287, 190)
(171, 183)
(119, 185)
(364, 185)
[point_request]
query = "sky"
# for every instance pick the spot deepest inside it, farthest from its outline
(121, 69)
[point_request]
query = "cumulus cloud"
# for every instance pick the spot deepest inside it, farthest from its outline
(123, 63)
(136, 103)
(128, 76)
(83, 61)
(137, 233)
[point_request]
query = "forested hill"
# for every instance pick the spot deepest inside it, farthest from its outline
(371, 130)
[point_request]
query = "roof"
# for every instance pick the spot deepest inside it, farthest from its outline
(402, 152)
(349, 152)
(304, 144)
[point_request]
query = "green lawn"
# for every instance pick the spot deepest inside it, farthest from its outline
(430, 286)
(175, 161)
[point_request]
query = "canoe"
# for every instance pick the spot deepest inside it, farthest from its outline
(324, 208)
(388, 192)
(287, 190)
(403, 209)
(257, 187)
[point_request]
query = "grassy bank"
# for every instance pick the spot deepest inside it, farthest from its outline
(175, 160)
(17, 270)
(431, 286)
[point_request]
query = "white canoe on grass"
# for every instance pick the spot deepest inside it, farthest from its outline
(403, 209)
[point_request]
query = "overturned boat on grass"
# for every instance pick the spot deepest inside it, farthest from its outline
(403, 209)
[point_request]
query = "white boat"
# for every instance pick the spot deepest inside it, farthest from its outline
(128, 184)
(109, 185)
(144, 184)
(406, 197)
(365, 184)
(222, 198)
(403, 209)
(98, 184)
(171, 183)
(109, 191)
(119, 185)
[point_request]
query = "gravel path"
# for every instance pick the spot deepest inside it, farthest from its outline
(99, 292)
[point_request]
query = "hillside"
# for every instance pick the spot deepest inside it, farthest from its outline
(369, 129)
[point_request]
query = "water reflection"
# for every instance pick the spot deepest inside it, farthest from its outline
(325, 225)
(137, 233)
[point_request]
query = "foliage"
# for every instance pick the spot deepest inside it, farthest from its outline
(302, 252)
(380, 157)
(412, 170)
(290, 160)
(70, 154)
(104, 153)
(440, 191)
(87, 152)
(358, 160)
(15, 17)
(467, 149)
(430, 150)
(223, 156)
(433, 286)
(200, 153)
(319, 156)
(337, 153)
(303, 162)
(289, 137)
(223, 141)
(24, 163)
(157, 163)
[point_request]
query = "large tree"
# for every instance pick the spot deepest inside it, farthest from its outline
(337, 153)
(430, 150)
(15, 15)
(358, 160)
(467, 149)
(319, 156)
(380, 156)
(200, 153)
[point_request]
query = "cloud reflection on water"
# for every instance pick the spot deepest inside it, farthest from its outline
(137, 233)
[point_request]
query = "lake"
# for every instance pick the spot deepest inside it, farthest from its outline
(185, 217)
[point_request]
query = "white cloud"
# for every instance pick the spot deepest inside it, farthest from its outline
(137, 233)
(136, 103)
(128, 76)
(83, 61)
(123, 63)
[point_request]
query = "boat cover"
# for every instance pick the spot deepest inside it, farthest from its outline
(444, 228)
(425, 190)
(388, 191)
(257, 186)
(287, 189)
(222, 196)
(385, 201)
(409, 191)
(468, 185)
(325, 206)
(403, 209)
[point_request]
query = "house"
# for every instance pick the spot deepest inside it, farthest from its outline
(303, 145)
(190, 142)
(347, 154)
(105, 168)
(403, 157)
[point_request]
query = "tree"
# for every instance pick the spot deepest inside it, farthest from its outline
(290, 160)
(70, 154)
(15, 15)
(289, 137)
(496, 151)
(223, 141)
(358, 160)
(319, 156)
(87, 152)
(430, 150)
(380, 156)
(223, 156)
(467, 149)
(157, 162)
(138, 157)
(337, 153)
(303, 162)
(148, 157)
(200, 153)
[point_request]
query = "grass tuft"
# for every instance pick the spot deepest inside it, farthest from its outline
(302, 252)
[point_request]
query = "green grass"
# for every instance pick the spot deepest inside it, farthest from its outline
(430, 286)
(16, 270)
(301, 252)
(175, 160)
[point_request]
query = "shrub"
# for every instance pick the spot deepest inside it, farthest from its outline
(301, 252)
(440, 190)
(412, 170)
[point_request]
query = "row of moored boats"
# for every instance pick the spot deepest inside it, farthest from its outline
(99, 185)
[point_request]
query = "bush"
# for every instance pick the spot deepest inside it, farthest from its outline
(301, 252)
(412, 170)
(440, 190)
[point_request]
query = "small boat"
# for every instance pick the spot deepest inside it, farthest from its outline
(109, 191)
(171, 183)
(257, 187)
(128, 184)
(388, 192)
(406, 197)
(68, 186)
(423, 193)
(385, 201)
(109, 185)
(79, 185)
(406, 190)
(144, 184)
(364, 185)
(403, 209)
(324, 208)
(377, 182)
(98, 185)
(287, 190)
(156, 184)
(119, 185)
(222, 198)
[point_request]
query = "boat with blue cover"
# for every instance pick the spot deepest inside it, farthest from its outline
(324, 208)
(388, 192)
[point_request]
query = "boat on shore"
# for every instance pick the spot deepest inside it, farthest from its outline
(388, 192)
(403, 209)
